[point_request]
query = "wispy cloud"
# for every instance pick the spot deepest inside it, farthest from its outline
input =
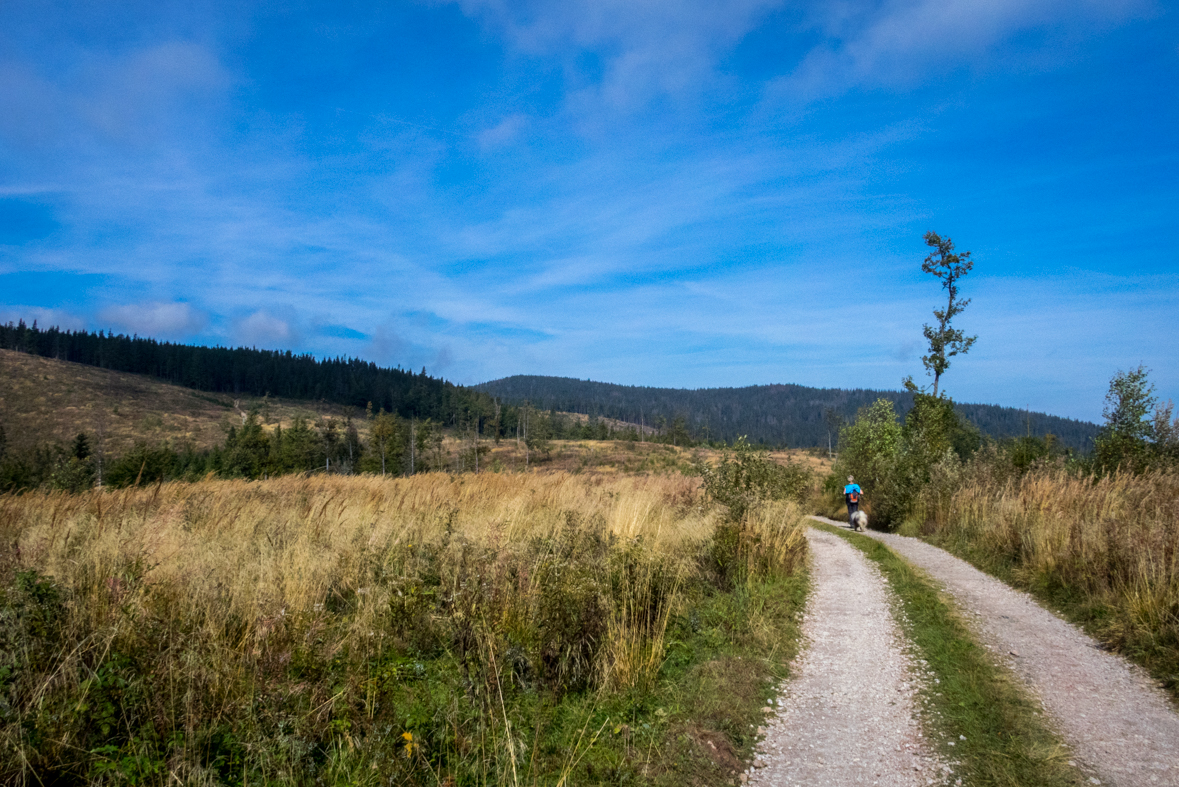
(902, 42)
(662, 193)
(502, 133)
(262, 329)
(642, 48)
(136, 98)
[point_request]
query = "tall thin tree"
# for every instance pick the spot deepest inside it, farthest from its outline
(945, 341)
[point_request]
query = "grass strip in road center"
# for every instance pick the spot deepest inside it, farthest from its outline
(976, 711)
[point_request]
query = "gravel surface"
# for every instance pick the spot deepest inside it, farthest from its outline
(847, 715)
(1119, 723)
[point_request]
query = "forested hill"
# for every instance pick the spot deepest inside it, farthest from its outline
(247, 371)
(789, 415)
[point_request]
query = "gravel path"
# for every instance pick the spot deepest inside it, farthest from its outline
(1119, 724)
(847, 715)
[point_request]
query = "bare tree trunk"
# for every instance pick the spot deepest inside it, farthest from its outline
(100, 443)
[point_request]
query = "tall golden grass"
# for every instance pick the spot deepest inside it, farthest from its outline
(192, 631)
(1106, 546)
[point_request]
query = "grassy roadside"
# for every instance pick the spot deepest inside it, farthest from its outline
(981, 717)
(726, 658)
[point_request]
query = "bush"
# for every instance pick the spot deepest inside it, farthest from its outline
(747, 476)
(1137, 435)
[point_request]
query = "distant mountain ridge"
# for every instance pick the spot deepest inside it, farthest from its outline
(782, 414)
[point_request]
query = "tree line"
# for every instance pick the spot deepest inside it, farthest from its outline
(257, 449)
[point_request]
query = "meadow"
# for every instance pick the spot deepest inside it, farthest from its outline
(498, 628)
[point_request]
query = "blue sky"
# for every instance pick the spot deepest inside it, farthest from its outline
(681, 194)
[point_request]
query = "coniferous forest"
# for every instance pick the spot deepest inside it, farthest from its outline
(777, 415)
(794, 416)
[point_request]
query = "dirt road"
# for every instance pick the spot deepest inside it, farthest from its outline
(1118, 723)
(847, 717)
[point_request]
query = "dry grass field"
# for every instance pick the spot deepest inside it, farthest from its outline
(500, 628)
(615, 457)
(43, 399)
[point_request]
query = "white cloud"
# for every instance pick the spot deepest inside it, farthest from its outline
(262, 329)
(902, 41)
(503, 133)
(45, 318)
(161, 320)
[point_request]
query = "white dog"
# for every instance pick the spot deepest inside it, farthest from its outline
(859, 521)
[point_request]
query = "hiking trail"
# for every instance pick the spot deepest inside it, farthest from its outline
(847, 715)
(1117, 721)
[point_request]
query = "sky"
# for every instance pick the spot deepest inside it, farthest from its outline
(688, 194)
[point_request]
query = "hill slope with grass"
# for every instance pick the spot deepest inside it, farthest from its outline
(789, 415)
(45, 400)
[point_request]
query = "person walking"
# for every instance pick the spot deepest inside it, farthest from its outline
(851, 495)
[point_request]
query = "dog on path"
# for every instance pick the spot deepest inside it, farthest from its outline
(859, 521)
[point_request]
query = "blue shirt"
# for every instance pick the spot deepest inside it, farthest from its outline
(847, 490)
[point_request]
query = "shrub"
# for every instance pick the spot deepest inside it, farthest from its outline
(895, 463)
(747, 476)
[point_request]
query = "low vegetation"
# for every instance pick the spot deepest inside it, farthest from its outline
(472, 629)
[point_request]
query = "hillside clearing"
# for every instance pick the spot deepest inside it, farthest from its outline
(47, 400)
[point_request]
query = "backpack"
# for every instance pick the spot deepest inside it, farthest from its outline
(853, 497)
